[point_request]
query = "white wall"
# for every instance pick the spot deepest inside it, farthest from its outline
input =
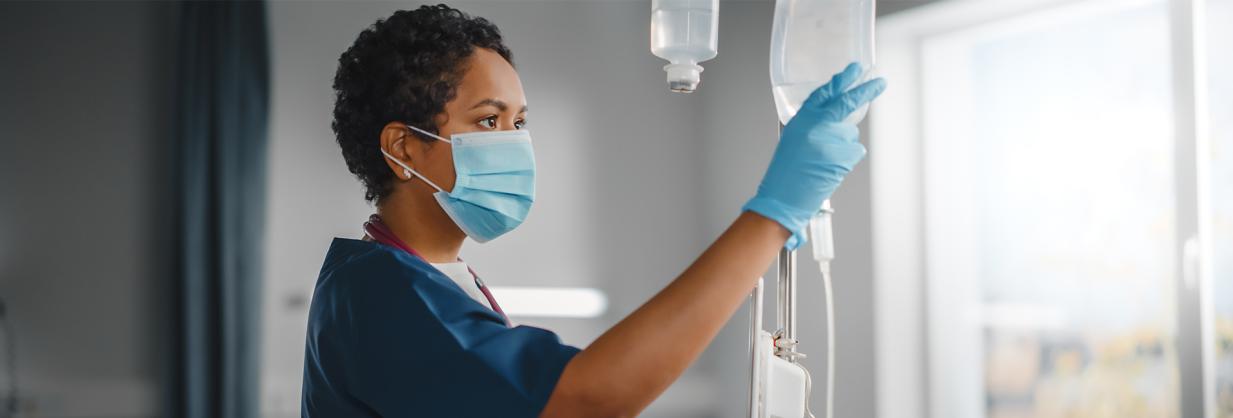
(634, 182)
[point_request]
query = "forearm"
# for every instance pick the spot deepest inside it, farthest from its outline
(635, 361)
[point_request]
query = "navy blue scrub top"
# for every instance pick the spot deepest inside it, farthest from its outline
(390, 336)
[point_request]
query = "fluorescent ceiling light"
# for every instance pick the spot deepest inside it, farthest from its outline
(551, 302)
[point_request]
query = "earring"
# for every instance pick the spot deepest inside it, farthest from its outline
(406, 173)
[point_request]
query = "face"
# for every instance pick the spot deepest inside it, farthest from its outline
(488, 98)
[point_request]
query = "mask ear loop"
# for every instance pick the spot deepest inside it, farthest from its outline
(430, 134)
(407, 171)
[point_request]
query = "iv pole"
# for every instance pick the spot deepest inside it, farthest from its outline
(784, 339)
(785, 306)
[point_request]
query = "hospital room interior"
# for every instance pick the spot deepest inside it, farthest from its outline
(1042, 225)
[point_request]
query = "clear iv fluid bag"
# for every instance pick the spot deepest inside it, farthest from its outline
(811, 40)
(684, 33)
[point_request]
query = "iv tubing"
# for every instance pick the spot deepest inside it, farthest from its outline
(820, 232)
(830, 338)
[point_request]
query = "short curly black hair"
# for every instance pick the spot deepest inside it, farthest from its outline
(404, 68)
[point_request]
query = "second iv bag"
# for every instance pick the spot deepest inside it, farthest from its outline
(684, 33)
(811, 40)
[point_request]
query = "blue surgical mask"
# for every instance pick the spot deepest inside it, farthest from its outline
(494, 184)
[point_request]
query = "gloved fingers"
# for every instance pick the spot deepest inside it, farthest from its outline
(838, 108)
(838, 84)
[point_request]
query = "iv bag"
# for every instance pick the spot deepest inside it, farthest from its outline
(684, 33)
(811, 40)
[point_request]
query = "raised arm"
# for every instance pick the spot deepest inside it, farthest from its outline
(637, 359)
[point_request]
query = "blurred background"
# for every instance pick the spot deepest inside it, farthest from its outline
(1043, 227)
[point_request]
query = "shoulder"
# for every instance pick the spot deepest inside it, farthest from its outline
(356, 258)
(364, 270)
(361, 281)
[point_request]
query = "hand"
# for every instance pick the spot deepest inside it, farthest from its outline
(816, 150)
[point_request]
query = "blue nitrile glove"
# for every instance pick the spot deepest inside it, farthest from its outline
(816, 150)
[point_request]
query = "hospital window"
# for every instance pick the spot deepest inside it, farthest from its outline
(1054, 206)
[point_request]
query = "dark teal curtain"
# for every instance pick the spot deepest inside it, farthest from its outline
(219, 143)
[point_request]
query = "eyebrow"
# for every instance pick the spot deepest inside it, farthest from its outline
(500, 105)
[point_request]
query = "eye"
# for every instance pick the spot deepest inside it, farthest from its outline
(520, 123)
(489, 122)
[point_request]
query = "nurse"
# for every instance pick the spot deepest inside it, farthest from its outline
(430, 115)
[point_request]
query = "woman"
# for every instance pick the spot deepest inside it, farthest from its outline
(430, 115)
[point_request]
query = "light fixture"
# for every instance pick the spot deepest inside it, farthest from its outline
(551, 302)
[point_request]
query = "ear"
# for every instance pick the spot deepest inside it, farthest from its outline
(394, 139)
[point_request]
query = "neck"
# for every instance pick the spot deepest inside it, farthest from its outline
(422, 225)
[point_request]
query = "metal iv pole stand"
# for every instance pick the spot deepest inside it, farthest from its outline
(785, 336)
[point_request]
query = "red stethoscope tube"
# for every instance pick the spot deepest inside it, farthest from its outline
(382, 234)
